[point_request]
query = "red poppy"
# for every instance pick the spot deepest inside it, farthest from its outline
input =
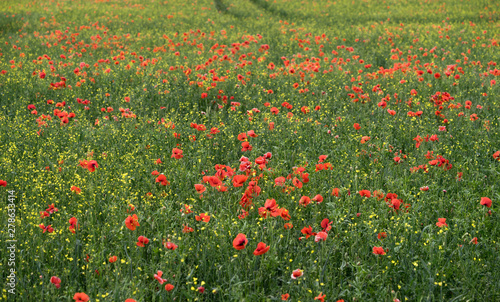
(56, 281)
(288, 226)
(305, 200)
(130, 300)
(170, 245)
(81, 297)
(92, 165)
(474, 240)
(176, 153)
(200, 188)
(187, 229)
(308, 232)
(364, 139)
(239, 180)
(279, 181)
(261, 249)
(496, 156)
(321, 236)
(382, 235)
(326, 225)
(441, 222)
(297, 273)
(485, 201)
(285, 297)
(46, 228)
(203, 217)
(240, 241)
(245, 146)
(365, 193)
(162, 179)
(356, 126)
(72, 224)
(251, 133)
(142, 241)
(169, 287)
(3, 183)
(378, 250)
(320, 297)
(112, 259)
(296, 182)
(77, 190)
(132, 222)
(318, 198)
(335, 192)
(159, 278)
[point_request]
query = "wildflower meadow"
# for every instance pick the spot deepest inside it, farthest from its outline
(249, 150)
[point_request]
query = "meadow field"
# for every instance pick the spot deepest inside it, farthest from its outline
(250, 150)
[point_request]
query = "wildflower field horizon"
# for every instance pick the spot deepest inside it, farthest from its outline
(233, 150)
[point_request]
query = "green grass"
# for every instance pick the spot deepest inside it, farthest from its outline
(138, 76)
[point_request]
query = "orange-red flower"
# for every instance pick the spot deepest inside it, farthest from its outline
(321, 236)
(485, 201)
(365, 193)
(169, 287)
(162, 179)
(441, 222)
(377, 250)
(261, 249)
(335, 192)
(132, 222)
(81, 297)
(239, 180)
(75, 189)
(177, 153)
(285, 297)
(240, 241)
(200, 188)
(56, 281)
(203, 217)
(142, 241)
(320, 297)
(72, 224)
(112, 259)
(297, 273)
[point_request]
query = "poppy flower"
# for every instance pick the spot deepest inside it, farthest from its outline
(356, 126)
(112, 259)
(326, 225)
(170, 245)
(297, 273)
(187, 229)
(203, 217)
(130, 300)
(240, 241)
(377, 250)
(321, 236)
(132, 222)
(296, 182)
(239, 180)
(485, 201)
(288, 226)
(474, 240)
(364, 139)
(318, 198)
(176, 153)
(92, 165)
(159, 278)
(320, 297)
(261, 249)
(381, 235)
(305, 200)
(56, 281)
(75, 189)
(72, 224)
(46, 228)
(3, 183)
(200, 188)
(365, 193)
(308, 232)
(335, 192)
(162, 179)
(245, 146)
(441, 222)
(285, 297)
(142, 241)
(169, 287)
(81, 297)
(496, 156)
(279, 181)
(251, 133)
